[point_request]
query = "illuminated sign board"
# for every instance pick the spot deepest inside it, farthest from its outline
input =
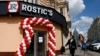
(33, 9)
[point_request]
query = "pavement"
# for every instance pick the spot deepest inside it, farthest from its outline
(78, 52)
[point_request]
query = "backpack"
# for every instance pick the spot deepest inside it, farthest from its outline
(84, 46)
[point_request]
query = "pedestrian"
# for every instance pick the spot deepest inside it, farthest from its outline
(83, 43)
(72, 45)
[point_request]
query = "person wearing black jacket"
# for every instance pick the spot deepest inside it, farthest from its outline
(72, 45)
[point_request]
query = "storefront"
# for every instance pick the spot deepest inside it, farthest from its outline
(30, 30)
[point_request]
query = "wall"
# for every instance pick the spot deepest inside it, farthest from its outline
(10, 35)
(58, 36)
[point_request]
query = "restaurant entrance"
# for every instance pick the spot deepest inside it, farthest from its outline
(38, 44)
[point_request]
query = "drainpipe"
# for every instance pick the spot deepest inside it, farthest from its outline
(62, 50)
(62, 37)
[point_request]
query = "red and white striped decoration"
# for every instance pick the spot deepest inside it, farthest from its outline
(27, 24)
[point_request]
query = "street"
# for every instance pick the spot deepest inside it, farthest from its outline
(79, 52)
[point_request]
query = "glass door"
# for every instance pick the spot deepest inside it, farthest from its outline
(38, 45)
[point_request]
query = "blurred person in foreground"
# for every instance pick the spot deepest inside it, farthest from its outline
(72, 45)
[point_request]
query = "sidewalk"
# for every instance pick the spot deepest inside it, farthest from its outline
(78, 52)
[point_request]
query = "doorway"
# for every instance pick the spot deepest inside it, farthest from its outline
(38, 44)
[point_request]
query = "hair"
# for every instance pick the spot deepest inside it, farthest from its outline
(73, 37)
(81, 38)
(71, 33)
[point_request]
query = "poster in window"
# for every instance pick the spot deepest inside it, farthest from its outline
(40, 39)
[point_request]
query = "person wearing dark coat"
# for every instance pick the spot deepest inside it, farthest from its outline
(72, 45)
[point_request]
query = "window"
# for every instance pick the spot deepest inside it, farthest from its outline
(25, 0)
(61, 11)
(30, 1)
(96, 41)
(67, 6)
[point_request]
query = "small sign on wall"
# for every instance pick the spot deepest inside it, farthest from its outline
(40, 40)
